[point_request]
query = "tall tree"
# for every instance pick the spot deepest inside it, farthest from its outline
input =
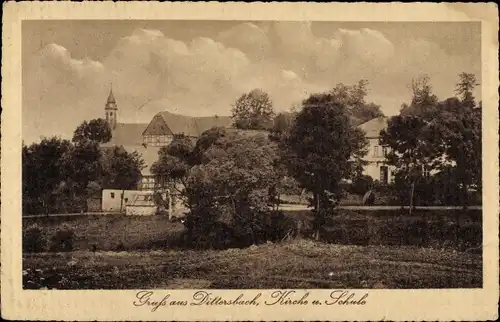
(465, 88)
(253, 111)
(412, 147)
(120, 169)
(82, 164)
(174, 163)
(226, 176)
(321, 149)
(423, 102)
(42, 172)
(95, 130)
(233, 179)
(442, 136)
(281, 124)
(458, 127)
(353, 97)
(458, 131)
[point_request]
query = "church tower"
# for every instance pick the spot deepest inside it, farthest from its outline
(111, 110)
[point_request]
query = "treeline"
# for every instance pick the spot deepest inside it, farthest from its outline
(59, 175)
(437, 144)
(231, 181)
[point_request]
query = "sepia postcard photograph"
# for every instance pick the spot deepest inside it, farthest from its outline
(232, 161)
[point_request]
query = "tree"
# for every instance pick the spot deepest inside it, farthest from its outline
(281, 124)
(423, 101)
(353, 98)
(253, 111)
(411, 148)
(465, 88)
(232, 184)
(442, 136)
(120, 169)
(82, 164)
(225, 179)
(458, 131)
(42, 175)
(321, 149)
(96, 130)
(174, 163)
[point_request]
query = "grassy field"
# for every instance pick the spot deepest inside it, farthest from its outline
(113, 232)
(296, 264)
(435, 229)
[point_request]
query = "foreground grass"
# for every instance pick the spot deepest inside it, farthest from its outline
(376, 227)
(113, 232)
(298, 264)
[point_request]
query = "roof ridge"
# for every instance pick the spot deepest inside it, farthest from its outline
(377, 117)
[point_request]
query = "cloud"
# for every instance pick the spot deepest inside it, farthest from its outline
(249, 38)
(203, 76)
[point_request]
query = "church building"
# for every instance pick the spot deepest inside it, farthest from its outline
(147, 138)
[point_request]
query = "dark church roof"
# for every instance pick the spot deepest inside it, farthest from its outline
(193, 126)
(127, 134)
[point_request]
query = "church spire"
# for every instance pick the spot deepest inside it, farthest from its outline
(111, 110)
(111, 97)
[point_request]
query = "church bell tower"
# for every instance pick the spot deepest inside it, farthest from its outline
(111, 110)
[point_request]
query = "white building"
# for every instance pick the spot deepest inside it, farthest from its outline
(377, 167)
(114, 200)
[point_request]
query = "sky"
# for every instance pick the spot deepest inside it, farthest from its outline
(200, 68)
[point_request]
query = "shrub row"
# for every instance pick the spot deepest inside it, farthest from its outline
(437, 190)
(35, 239)
(461, 231)
(448, 229)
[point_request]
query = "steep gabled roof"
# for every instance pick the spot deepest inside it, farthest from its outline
(127, 134)
(157, 126)
(180, 124)
(193, 126)
(373, 127)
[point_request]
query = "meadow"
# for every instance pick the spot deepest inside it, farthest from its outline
(295, 264)
(359, 249)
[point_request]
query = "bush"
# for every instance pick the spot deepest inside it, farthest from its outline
(208, 227)
(63, 239)
(34, 239)
(290, 186)
(361, 185)
(369, 198)
(424, 229)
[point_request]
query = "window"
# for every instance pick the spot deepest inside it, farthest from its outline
(384, 174)
(426, 171)
(375, 151)
(384, 151)
(147, 183)
(112, 195)
(157, 140)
